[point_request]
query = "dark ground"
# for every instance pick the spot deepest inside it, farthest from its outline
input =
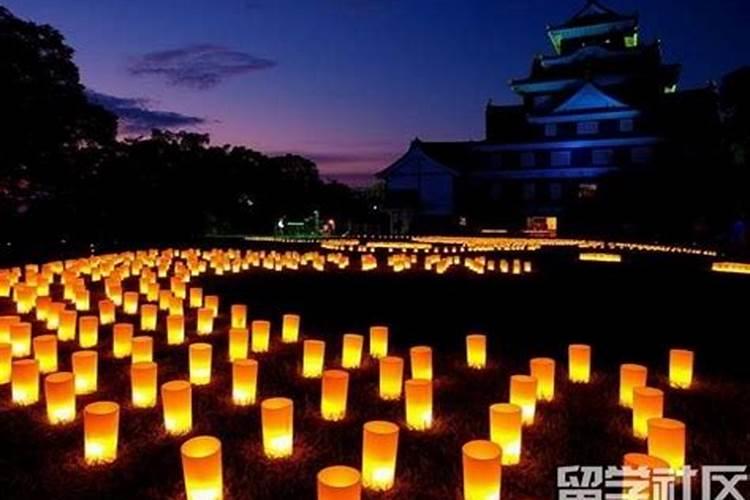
(629, 313)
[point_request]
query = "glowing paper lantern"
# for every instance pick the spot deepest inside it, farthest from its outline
(506, 422)
(143, 383)
(85, 368)
(202, 469)
(523, 393)
(196, 298)
(379, 452)
(631, 376)
(200, 363)
(481, 470)
(238, 343)
(148, 317)
(106, 312)
(313, 355)
(391, 377)
(648, 403)
(24, 382)
(67, 329)
(142, 349)
(88, 331)
(212, 302)
(579, 363)
(666, 440)
(165, 299)
(277, 421)
(82, 300)
(476, 351)
(177, 403)
(351, 355)
(339, 483)
(418, 404)
(130, 303)
(205, 321)
(378, 341)
(122, 340)
(239, 316)
(20, 338)
(290, 328)
(5, 322)
(6, 358)
(334, 393)
(244, 381)
(680, 368)
(101, 422)
(45, 352)
(42, 307)
(261, 335)
(651, 464)
(421, 362)
(175, 329)
(60, 394)
(543, 369)
(53, 316)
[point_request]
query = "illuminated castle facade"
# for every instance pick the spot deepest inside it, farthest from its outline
(601, 112)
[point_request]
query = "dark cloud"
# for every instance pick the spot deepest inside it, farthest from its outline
(198, 66)
(137, 117)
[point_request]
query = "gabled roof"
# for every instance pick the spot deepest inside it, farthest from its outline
(594, 12)
(456, 157)
(589, 97)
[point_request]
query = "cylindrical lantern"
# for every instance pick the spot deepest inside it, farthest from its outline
(142, 349)
(238, 340)
(334, 393)
(579, 363)
(200, 363)
(481, 470)
(391, 377)
(653, 466)
(351, 352)
(85, 368)
(506, 422)
(418, 404)
(82, 300)
(25, 382)
(101, 422)
(680, 368)
(313, 355)
(130, 303)
(379, 452)
(5, 322)
(212, 302)
(476, 351)
(261, 331)
(122, 340)
(205, 321)
(421, 362)
(277, 422)
(666, 440)
(244, 381)
(239, 316)
(45, 352)
(543, 369)
(631, 376)
(53, 316)
(165, 299)
(648, 403)
(196, 298)
(20, 338)
(378, 341)
(523, 393)
(88, 331)
(177, 403)
(60, 394)
(290, 328)
(175, 329)
(143, 383)
(339, 483)
(148, 317)
(42, 307)
(201, 468)
(6, 358)
(67, 329)
(106, 312)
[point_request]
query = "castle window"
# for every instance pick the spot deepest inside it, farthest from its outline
(587, 191)
(560, 158)
(643, 154)
(588, 128)
(602, 156)
(529, 191)
(528, 159)
(550, 130)
(626, 125)
(555, 191)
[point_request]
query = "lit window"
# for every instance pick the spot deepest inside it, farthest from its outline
(626, 125)
(555, 191)
(528, 159)
(587, 191)
(602, 156)
(560, 158)
(550, 130)
(529, 191)
(631, 41)
(588, 128)
(642, 154)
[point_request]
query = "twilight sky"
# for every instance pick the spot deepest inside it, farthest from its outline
(348, 83)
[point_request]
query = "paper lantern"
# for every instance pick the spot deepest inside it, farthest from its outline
(106, 312)
(379, 453)
(313, 354)
(67, 329)
(378, 341)
(196, 298)
(25, 297)
(101, 422)
(60, 394)
(122, 340)
(82, 300)
(205, 321)
(148, 317)
(202, 469)
(212, 302)
(5, 322)
(290, 328)
(476, 351)
(165, 299)
(261, 335)
(351, 351)
(115, 294)
(648, 403)
(543, 369)
(175, 329)
(152, 293)
(45, 352)
(631, 376)
(239, 316)
(200, 363)
(130, 303)
(418, 404)
(277, 422)
(654, 466)
(481, 470)
(6, 358)
(85, 369)
(25, 382)
(42, 307)
(142, 349)
(579, 363)
(177, 403)
(88, 331)
(143, 384)
(339, 483)
(334, 393)
(53, 316)
(680, 368)
(391, 377)
(666, 440)
(238, 340)
(175, 307)
(523, 393)
(506, 422)
(421, 362)
(244, 381)
(20, 338)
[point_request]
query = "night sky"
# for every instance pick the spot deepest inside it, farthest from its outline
(348, 83)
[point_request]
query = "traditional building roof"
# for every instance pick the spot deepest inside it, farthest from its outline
(455, 157)
(594, 13)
